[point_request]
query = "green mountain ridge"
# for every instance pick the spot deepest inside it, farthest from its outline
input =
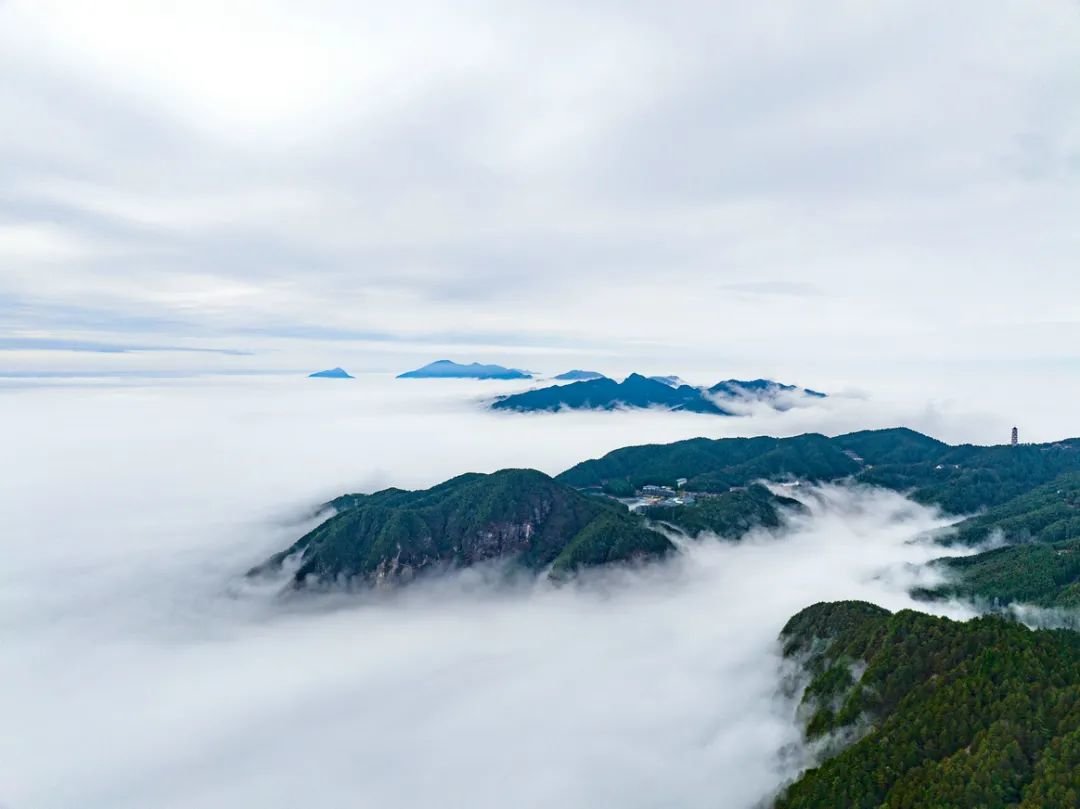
(392, 536)
(536, 521)
(946, 714)
(961, 479)
(908, 710)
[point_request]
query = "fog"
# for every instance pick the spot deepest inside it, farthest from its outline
(140, 669)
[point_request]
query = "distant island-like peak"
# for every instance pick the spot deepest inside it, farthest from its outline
(448, 369)
(577, 375)
(331, 373)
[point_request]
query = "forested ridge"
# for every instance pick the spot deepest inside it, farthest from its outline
(518, 515)
(952, 715)
(1039, 565)
(960, 479)
(1029, 493)
(1027, 496)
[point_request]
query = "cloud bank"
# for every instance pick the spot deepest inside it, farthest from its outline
(726, 182)
(137, 661)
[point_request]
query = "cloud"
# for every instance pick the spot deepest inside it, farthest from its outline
(51, 344)
(126, 618)
(605, 173)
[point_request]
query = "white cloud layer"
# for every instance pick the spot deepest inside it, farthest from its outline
(140, 670)
(630, 179)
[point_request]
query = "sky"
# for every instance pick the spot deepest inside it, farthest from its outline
(839, 192)
(140, 668)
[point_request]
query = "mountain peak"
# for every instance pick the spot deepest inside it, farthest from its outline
(331, 373)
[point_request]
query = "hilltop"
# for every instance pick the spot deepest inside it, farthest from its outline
(332, 373)
(517, 515)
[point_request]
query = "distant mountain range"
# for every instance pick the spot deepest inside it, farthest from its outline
(447, 369)
(332, 373)
(637, 391)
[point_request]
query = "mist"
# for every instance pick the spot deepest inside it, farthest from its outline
(140, 669)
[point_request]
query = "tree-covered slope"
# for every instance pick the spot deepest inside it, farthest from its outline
(947, 715)
(891, 446)
(960, 479)
(1041, 563)
(716, 464)
(515, 514)
(729, 515)
(1047, 513)
(1041, 574)
(966, 478)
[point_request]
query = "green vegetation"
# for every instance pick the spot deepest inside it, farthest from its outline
(609, 538)
(961, 480)
(1049, 513)
(1045, 575)
(716, 465)
(1028, 494)
(1041, 566)
(519, 514)
(728, 515)
(965, 479)
(947, 714)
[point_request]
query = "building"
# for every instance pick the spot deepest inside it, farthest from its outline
(1015, 437)
(657, 491)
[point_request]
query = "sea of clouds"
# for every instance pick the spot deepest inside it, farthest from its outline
(140, 669)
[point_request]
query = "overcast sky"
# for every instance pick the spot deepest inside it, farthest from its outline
(493, 180)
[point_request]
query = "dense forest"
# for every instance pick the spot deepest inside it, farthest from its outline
(1040, 565)
(960, 479)
(514, 514)
(944, 714)
(1030, 494)
(1042, 574)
